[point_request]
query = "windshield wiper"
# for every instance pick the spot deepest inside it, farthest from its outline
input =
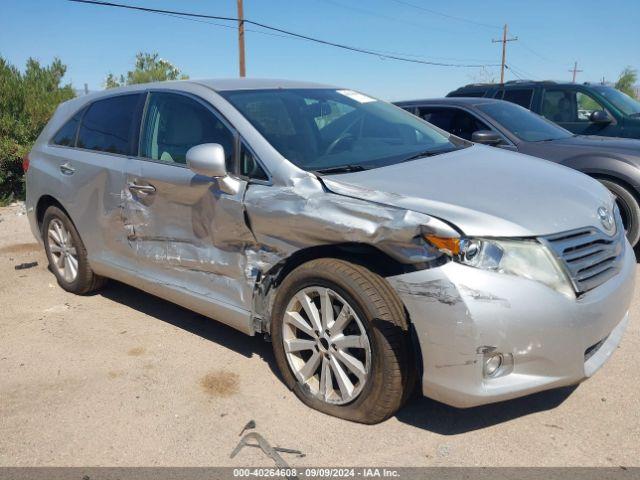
(428, 153)
(341, 169)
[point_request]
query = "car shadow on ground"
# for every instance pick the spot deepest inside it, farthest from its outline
(192, 322)
(420, 412)
(439, 418)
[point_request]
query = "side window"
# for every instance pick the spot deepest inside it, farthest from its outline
(175, 123)
(520, 96)
(440, 117)
(465, 124)
(499, 94)
(107, 126)
(455, 121)
(66, 136)
(568, 106)
(249, 166)
(586, 106)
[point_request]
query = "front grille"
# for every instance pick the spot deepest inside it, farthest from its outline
(590, 256)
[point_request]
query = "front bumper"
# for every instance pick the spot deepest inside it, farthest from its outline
(459, 313)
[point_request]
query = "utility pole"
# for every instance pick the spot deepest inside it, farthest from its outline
(241, 39)
(575, 70)
(504, 49)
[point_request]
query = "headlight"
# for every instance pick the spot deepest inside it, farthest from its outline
(524, 258)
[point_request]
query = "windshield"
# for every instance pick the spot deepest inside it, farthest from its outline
(621, 100)
(524, 124)
(334, 130)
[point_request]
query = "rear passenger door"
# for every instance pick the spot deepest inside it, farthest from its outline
(185, 232)
(90, 154)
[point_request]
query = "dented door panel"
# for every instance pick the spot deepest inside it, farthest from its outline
(187, 234)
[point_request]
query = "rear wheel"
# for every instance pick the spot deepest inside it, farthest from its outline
(629, 210)
(340, 338)
(66, 253)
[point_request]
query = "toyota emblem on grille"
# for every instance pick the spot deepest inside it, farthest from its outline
(606, 218)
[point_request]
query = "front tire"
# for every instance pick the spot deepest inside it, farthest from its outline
(67, 254)
(629, 210)
(341, 341)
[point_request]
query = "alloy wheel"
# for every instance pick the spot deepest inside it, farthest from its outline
(63, 252)
(326, 345)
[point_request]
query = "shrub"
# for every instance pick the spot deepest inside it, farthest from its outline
(27, 101)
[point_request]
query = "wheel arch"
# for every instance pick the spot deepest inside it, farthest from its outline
(44, 202)
(365, 255)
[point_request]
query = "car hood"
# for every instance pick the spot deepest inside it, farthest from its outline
(484, 191)
(596, 143)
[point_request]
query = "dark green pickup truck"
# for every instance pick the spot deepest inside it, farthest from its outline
(584, 109)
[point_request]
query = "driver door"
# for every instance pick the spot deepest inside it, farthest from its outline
(185, 234)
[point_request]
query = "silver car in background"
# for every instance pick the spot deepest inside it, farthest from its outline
(377, 251)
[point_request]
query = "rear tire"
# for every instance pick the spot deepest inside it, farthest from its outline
(67, 254)
(378, 338)
(629, 209)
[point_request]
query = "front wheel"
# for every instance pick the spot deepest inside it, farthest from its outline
(340, 338)
(629, 210)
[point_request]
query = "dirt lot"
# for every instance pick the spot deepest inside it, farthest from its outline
(123, 378)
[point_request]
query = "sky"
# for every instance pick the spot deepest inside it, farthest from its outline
(603, 37)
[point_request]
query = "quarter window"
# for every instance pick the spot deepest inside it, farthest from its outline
(108, 125)
(66, 136)
(175, 123)
(249, 166)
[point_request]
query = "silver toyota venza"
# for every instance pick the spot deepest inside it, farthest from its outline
(375, 250)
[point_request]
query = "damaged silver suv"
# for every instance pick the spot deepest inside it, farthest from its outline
(377, 251)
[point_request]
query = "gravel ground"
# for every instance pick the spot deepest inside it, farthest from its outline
(122, 378)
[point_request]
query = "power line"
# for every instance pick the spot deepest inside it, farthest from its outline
(513, 71)
(537, 54)
(445, 15)
(364, 51)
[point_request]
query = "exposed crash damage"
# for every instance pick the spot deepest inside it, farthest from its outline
(277, 222)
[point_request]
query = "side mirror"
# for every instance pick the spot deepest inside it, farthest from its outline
(600, 116)
(207, 159)
(486, 137)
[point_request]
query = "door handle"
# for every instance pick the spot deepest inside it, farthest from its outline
(144, 189)
(67, 169)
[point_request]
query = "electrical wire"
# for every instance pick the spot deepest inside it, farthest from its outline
(364, 51)
(445, 15)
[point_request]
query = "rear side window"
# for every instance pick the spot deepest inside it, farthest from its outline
(520, 96)
(66, 136)
(175, 123)
(108, 125)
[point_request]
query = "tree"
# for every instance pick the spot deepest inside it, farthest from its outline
(27, 101)
(627, 80)
(149, 68)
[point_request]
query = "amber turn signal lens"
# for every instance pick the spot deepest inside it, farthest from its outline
(445, 244)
